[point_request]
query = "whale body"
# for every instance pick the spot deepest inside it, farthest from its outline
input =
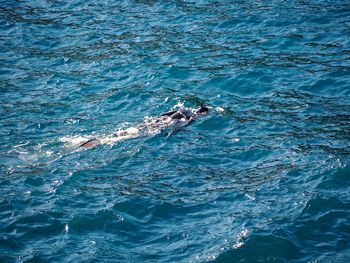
(181, 117)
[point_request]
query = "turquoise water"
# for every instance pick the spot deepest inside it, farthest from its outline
(264, 177)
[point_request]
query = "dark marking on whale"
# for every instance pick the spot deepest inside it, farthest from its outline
(90, 143)
(185, 113)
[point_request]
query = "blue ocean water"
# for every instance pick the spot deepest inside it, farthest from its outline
(264, 177)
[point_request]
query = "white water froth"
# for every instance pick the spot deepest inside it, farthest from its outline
(240, 236)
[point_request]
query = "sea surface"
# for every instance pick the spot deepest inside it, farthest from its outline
(263, 177)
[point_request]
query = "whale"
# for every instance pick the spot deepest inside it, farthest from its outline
(180, 117)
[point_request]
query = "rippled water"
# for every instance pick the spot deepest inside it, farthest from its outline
(264, 177)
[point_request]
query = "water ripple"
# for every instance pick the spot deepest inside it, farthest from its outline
(263, 177)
